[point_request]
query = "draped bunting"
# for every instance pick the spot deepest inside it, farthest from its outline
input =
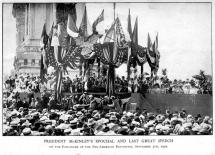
(103, 52)
(64, 50)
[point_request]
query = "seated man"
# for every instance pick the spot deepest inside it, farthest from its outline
(84, 98)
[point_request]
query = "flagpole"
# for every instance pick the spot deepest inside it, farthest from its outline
(111, 70)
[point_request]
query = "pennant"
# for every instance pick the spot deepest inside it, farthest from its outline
(135, 33)
(156, 41)
(129, 28)
(99, 19)
(44, 37)
(149, 43)
(109, 35)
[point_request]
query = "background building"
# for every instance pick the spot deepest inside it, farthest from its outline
(30, 18)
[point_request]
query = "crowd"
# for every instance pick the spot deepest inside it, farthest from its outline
(88, 116)
(85, 114)
(30, 83)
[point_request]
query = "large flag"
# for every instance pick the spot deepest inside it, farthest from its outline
(72, 29)
(99, 19)
(85, 29)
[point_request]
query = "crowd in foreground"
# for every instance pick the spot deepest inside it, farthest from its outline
(86, 114)
(89, 116)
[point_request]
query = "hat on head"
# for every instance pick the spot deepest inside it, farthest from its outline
(104, 120)
(96, 116)
(14, 123)
(67, 131)
(74, 121)
(113, 97)
(112, 118)
(48, 127)
(187, 125)
(129, 114)
(124, 123)
(26, 123)
(26, 131)
(153, 134)
(63, 126)
(140, 131)
(122, 131)
(135, 123)
(123, 118)
(160, 118)
(79, 113)
(150, 115)
(21, 109)
(90, 122)
(107, 115)
(196, 128)
(64, 117)
(43, 118)
(49, 122)
(70, 112)
(14, 113)
(206, 119)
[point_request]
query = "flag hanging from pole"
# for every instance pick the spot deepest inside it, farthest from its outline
(134, 52)
(109, 35)
(120, 36)
(85, 29)
(72, 29)
(43, 60)
(99, 19)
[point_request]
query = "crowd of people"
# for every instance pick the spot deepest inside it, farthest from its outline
(89, 117)
(31, 83)
(38, 113)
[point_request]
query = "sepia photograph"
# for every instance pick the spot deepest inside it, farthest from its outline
(107, 69)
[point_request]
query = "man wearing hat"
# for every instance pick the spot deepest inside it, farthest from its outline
(93, 103)
(84, 98)
(105, 104)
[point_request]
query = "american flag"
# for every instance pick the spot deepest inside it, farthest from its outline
(50, 57)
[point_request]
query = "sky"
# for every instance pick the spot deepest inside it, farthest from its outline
(184, 33)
